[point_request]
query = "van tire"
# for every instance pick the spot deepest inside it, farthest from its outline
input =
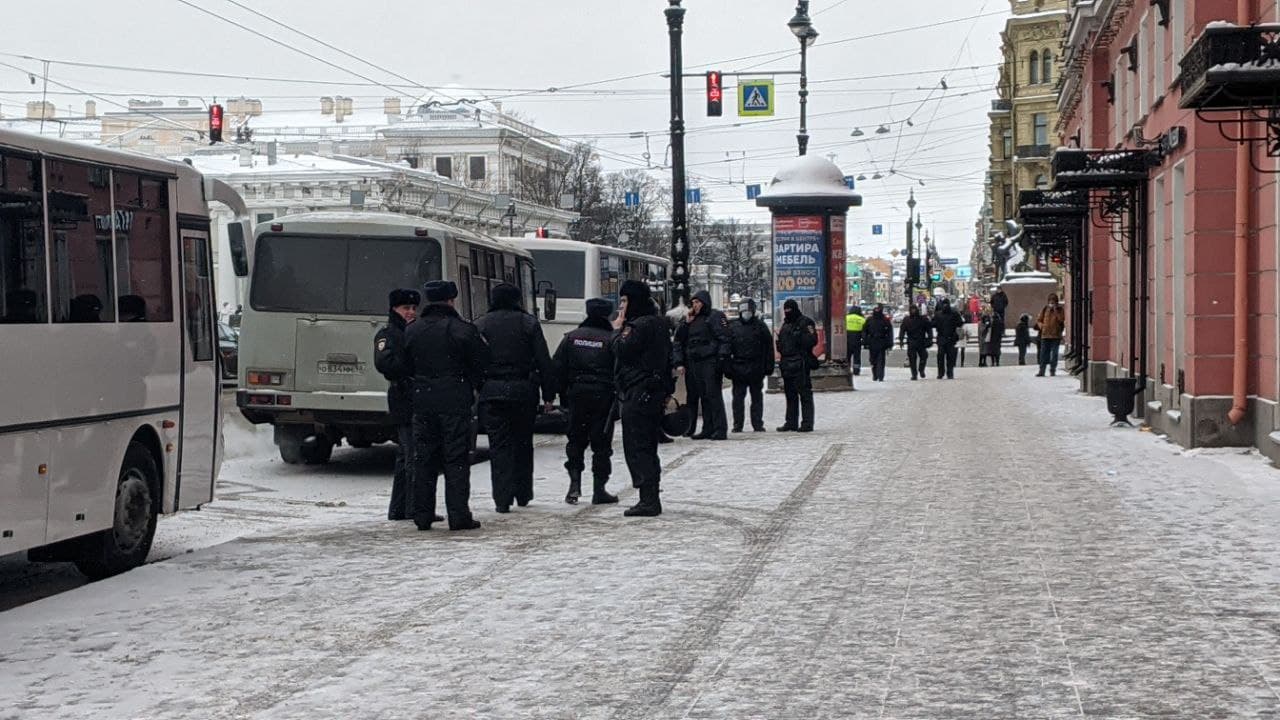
(127, 543)
(291, 449)
(317, 451)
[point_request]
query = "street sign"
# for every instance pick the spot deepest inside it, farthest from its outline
(848, 181)
(753, 192)
(755, 98)
(964, 272)
(693, 195)
(877, 229)
(950, 261)
(948, 274)
(632, 199)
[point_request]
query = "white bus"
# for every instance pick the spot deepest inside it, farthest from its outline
(317, 296)
(580, 270)
(109, 383)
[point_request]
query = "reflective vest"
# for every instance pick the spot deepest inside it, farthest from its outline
(854, 323)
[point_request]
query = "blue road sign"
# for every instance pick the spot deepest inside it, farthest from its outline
(848, 181)
(950, 261)
(877, 229)
(693, 195)
(631, 199)
(753, 192)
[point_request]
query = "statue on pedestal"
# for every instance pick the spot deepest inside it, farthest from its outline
(1007, 252)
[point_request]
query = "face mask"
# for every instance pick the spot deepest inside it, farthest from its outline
(747, 314)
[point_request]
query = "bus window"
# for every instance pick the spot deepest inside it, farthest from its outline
(79, 208)
(528, 289)
(564, 269)
(22, 247)
(143, 254)
(610, 276)
(374, 267)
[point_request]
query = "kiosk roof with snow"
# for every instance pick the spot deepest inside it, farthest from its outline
(809, 182)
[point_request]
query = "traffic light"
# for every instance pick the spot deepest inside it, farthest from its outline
(541, 233)
(715, 93)
(215, 123)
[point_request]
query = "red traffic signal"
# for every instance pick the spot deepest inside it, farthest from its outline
(215, 123)
(715, 93)
(541, 233)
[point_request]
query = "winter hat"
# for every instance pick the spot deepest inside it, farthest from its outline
(403, 296)
(790, 304)
(438, 291)
(635, 291)
(504, 296)
(599, 308)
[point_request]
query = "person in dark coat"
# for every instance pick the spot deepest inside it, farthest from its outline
(750, 363)
(449, 359)
(390, 359)
(878, 336)
(984, 338)
(947, 324)
(797, 338)
(1022, 337)
(642, 347)
(999, 303)
(916, 333)
(584, 365)
(995, 339)
(520, 366)
(702, 350)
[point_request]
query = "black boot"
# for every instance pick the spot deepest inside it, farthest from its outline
(575, 487)
(649, 505)
(601, 496)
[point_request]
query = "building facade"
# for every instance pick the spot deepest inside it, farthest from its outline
(1180, 249)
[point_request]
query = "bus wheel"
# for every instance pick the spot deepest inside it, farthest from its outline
(317, 450)
(290, 447)
(126, 545)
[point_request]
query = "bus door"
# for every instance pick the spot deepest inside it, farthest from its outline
(464, 283)
(200, 386)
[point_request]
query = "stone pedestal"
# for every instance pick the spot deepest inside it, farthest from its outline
(1027, 293)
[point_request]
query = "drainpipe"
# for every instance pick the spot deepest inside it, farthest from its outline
(1239, 365)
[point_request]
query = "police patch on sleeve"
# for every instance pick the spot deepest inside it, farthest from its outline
(382, 344)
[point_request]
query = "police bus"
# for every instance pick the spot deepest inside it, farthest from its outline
(109, 381)
(317, 296)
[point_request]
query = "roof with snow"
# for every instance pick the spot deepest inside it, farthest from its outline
(809, 180)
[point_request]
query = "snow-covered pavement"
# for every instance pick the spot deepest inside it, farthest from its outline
(982, 548)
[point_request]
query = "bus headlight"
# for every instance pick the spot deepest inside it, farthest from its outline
(262, 377)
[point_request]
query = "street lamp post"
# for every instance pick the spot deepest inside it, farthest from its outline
(909, 277)
(679, 231)
(802, 27)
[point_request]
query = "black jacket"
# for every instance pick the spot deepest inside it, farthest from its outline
(999, 302)
(1022, 334)
(706, 337)
(752, 349)
(877, 334)
(390, 359)
(584, 361)
(643, 352)
(916, 330)
(518, 351)
(796, 340)
(946, 326)
(449, 359)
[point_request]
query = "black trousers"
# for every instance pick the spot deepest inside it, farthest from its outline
(947, 353)
(402, 482)
(589, 426)
(442, 442)
(641, 416)
(755, 386)
(918, 359)
(855, 352)
(707, 385)
(798, 388)
(877, 363)
(509, 423)
(1022, 354)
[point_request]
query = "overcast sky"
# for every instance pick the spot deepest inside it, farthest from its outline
(516, 50)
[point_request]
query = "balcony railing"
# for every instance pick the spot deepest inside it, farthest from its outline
(1050, 205)
(1001, 105)
(1230, 66)
(1031, 152)
(1075, 169)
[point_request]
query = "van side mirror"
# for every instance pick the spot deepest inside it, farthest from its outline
(549, 304)
(239, 252)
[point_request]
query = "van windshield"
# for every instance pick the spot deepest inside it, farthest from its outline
(338, 275)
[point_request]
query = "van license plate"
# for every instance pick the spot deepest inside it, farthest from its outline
(338, 368)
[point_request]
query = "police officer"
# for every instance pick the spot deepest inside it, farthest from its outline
(584, 368)
(390, 358)
(751, 345)
(702, 351)
(520, 367)
(946, 327)
(796, 339)
(449, 359)
(916, 332)
(642, 347)
(854, 321)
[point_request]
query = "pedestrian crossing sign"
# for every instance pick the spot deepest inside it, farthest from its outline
(755, 98)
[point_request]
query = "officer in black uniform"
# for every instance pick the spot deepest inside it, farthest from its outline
(703, 347)
(796, 339)
(751, 363)
(390, 358)
(584, 367)
(642, 347)
(449, 359)
(916, 332)
(520, 366)
(947, 324)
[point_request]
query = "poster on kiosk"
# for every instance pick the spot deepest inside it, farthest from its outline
(800, 269)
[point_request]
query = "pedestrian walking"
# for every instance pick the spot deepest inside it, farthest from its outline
(751, 361)
(947, 324)
(995, 338)
(797, 338)
(449, 359)
(984, 338)
(916, 333)
(854, 322)
(642, 348)
(1022, 337)
(520, 367)
(703, 347)
(584, 368)
(1051, 322)
(975, 309)
(391, 360)
(878, 335)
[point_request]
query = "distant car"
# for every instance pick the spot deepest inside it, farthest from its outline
(229, 350)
